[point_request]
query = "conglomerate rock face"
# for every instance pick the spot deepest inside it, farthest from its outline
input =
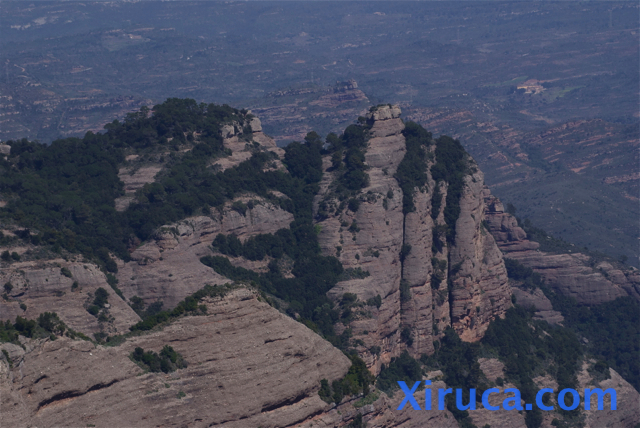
(479, 289)
(168, 267)
(570, 274)
(248, 365)
(42, 287)
(251, 365)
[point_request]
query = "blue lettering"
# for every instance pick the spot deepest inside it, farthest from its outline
(427, 395)
(539, 397)
(576, 399)
(408, 395)
(485, 399)
(441, 397)
(517, 400)
(472, 400)
(589, 392)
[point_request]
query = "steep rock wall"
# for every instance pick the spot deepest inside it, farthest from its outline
(480, 289)
(380, 230)
(411, 300)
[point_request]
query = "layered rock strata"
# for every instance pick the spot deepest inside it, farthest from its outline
(168, 267)
(269, 378)
(571, 274)
(42, 287)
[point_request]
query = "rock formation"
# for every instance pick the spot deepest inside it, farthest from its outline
(248, 363)
(268, 378)
(42, 287)
(480, 291)
(572, 274)
(168, 267)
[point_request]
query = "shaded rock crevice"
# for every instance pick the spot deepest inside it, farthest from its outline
(71, 394)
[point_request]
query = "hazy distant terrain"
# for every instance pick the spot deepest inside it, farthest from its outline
(544, 96)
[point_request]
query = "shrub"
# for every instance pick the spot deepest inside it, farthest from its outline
(354, 204)
(356, 381)
(404, 368)
(8, 287)
(404, 251)
(406, 335)
(66, 272)
(100, 298)
(375, 301)
(50, 322)
(167, 361)
(240, 207)
(325, 391)
(405, 291)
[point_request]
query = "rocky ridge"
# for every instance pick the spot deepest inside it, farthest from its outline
(480, 290)
(462, 285)
(572, 274)
(102, 385)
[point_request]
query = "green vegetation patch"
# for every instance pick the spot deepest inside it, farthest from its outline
(167, 361)
(452, 164)
(357, 381)
(612, 330)
(529, 348)
(412, 170)
(66, 191)
(404, 368)
(48, 324)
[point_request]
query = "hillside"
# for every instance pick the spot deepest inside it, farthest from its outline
(544, 96)
(185, 255)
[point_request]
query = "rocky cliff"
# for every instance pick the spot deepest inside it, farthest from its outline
(268, 378)
(412, 299)
(573, 274)
(248, 364)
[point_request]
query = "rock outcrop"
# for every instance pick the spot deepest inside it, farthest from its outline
(373, 237)
(251, 365)
(168, 267)
(42, 287)
(134, 179)
(537, 300)
(270, 377)
(571, 274)
(242, 145)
